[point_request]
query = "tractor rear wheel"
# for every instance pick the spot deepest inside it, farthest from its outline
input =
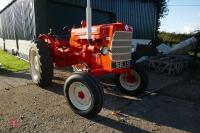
(137, 84)
(41, 64)
(83, 94)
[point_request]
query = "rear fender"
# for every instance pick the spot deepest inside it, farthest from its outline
(47, 39)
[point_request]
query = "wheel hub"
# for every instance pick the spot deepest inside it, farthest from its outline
(81, 95)
(130, 81)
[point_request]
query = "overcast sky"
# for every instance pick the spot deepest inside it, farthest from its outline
(3, 3)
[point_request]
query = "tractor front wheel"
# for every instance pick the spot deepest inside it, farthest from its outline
(135, 83)
(41, 64)
(83, 94)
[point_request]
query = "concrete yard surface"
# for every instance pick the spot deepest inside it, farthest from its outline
(25, 107)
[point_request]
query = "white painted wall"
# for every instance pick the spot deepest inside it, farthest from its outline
(23, 50)
(24, 46)
(1, 43)
(10, 45)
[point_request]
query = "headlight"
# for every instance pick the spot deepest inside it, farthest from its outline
(104, 50)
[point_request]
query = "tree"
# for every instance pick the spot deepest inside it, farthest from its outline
(162, 11)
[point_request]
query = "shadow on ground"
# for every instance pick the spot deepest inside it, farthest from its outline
(158, 108)
(161, 110)
(123, 127)
(21, 75)
(4, 71)
(103, 120)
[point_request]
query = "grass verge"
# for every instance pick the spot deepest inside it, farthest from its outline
(10, 63)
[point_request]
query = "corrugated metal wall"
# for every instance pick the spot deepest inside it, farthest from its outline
(18, 20)
(1, 35)
(60, 15)
(24, 19)
(18, 23)
(141, 14)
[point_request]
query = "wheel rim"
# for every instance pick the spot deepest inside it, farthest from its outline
(130, 86)
(80, 96)
(34, 61)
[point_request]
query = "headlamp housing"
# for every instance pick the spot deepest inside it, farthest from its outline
(104, 50)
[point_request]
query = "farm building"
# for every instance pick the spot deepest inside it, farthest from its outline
(23, 20)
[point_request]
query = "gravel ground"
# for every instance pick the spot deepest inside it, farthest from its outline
(25, 107)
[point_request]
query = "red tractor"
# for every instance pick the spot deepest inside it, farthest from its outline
(106, 50)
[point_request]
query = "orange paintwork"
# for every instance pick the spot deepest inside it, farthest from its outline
(78, 50)
(102, 32)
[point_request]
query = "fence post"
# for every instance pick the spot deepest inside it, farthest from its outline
(4, 45)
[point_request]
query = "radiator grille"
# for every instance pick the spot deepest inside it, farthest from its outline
(121, 46)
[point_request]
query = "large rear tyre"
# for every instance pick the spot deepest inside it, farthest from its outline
(137, 83)
(83, 94)
(41, 64)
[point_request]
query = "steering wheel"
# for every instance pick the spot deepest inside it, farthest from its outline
(67, 28)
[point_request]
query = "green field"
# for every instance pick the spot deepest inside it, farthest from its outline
(10, 63)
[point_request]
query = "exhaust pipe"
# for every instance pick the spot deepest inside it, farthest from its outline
(89, 19)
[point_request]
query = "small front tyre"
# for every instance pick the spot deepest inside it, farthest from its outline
(83, 94)
(136, 83)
